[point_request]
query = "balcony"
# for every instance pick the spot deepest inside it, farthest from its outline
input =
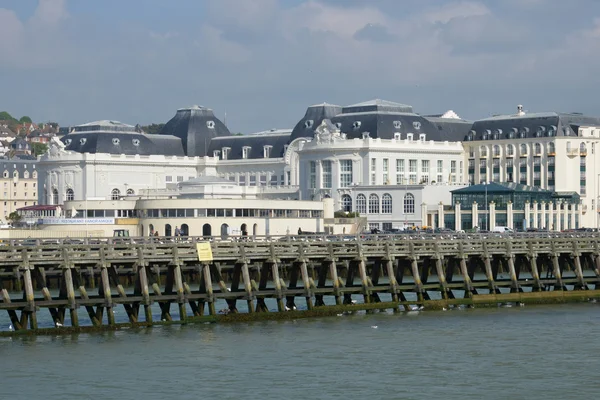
(572, 152)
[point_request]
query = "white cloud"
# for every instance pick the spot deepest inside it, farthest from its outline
(450, 11)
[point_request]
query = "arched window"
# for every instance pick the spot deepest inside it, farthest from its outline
(34, 174)
(386, 204)
(206, 230)
(551, 148)
(510, 150)
(346, 203)
(26, 174)
(409, 204)
(483, 151)
(168, 230)
(537, 148)
(496, 150)
(115, 194)
(224, 231)
(523, 149)
(55, 196)
(185, 230)
(361, 204)
(70, 195)
(373, 204)
(130, 192)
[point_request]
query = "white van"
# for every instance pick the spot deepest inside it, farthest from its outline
(502, 229)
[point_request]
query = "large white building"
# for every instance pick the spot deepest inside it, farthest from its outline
(377, 158)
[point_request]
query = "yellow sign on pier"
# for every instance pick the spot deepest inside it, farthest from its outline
(204, 251)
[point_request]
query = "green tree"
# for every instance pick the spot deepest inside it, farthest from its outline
(25, 120)
(14, 218)
(153, 129)
(5, 116)
(38, 148)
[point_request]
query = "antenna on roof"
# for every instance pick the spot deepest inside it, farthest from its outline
(225, 120)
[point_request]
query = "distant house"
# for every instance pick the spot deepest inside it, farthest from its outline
(6, 134)
(20, 146)
(38, 137)
(26, 128)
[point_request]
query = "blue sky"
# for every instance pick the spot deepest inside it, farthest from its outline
(262, 62)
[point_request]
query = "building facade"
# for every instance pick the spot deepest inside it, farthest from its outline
(19, 184)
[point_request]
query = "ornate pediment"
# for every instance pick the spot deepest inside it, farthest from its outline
(328, 132)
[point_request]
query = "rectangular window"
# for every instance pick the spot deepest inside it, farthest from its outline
(373, 171)
(452, 167)
(522, 162)
(263, 180)
(245, 152)
(425, 166)
(412, 166)
(168, 179)
(252, 180)
(345, 173)
(509, 163)
(273, 180)
(399, 172)
(537, 161)
(312, 173)
(180, 179)
(267, 151)
(242, 180)
(326, 165)
(471, 163)
(482, 163)
(386, 172)
(440, 166)
(496, 163)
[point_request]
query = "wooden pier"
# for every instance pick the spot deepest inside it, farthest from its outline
(315, 275)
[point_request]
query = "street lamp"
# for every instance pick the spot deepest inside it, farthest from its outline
(486, 206)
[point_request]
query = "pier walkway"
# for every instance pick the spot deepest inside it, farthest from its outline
(315, 274)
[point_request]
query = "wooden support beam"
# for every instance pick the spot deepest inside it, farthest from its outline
(279, 288)
(209, 289)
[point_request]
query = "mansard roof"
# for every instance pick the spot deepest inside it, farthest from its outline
(277, 139)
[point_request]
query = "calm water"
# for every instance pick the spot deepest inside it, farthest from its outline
(533, 352)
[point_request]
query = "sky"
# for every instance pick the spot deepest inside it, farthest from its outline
(261, 63)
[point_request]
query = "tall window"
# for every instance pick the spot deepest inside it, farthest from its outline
(345, 173)
(373, 204)
(424, 171)
(386, 204)
(361, 204)
(409, 204)
(399, 172)
(483, 151)
(70, 195)
(54, 196)
(551, 148)
(373, 171)
(538, 149)
(412, 169)
(386, 171)
(496, 150)
(510, 150)
(453, 171)
(440, 171)
(326, 165)
(114, 194)
(523, 149)
(312, 171)
(346, 203)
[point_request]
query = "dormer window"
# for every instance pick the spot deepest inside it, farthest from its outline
(397, 124)
(5, 174)
(246, 152)
(210, 124)
(365, 135)
(523, 132)
(422, 137)
(338, 125)
(308, 123)
(67, 142)
(136, 142)
(225, 152)
(409, 136)
(216, 153)
(116, 141)
(397, 135)
(552, 131)
(417, 125)
(82, 141)
(267, 151)
(285, 148)
(356, 124)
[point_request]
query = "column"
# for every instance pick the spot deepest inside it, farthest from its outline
(509, 215)
(580, 213)
(457, 217)
(535, 214)
(558, 216)
(423, 214)
(492, 216)
(527, 214)
(565, 213)
(573, 214)
(551, 226)
(441, 215)
(543, 215)
(474, 215)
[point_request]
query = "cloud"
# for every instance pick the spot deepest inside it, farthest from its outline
(374, 33)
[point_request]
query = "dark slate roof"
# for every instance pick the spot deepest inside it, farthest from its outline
(377, 105)
(195, 126)
(115, 138)
(529, 125)
(495, 187)
(21, 165)
(256, 142)
(20, 144)
(454, 129)
(312, 118)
